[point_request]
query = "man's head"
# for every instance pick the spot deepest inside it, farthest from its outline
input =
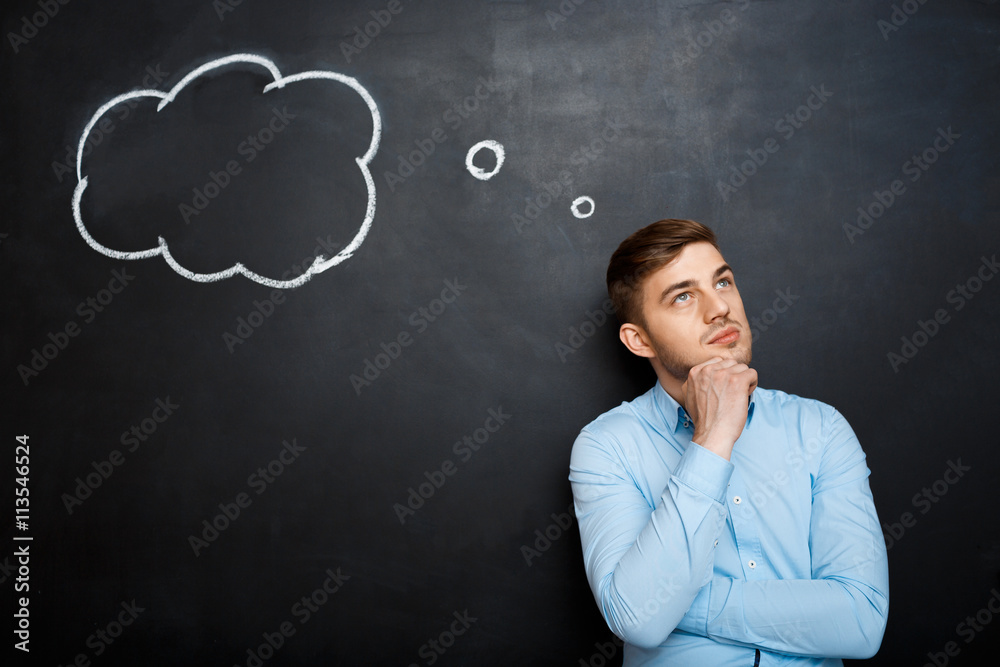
(676, 299)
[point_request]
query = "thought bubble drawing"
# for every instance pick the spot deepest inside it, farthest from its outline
(575, 207)
(320, 263)
(482, 174)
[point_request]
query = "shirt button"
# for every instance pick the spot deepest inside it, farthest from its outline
(752, 564)
(717, 543)
(737, 500)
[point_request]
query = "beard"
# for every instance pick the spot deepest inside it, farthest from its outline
(679, 366)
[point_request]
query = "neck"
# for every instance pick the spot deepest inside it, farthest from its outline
(670, 384)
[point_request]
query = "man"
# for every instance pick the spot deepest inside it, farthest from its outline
(722, 523)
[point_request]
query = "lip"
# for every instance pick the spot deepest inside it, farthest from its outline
(726, 336)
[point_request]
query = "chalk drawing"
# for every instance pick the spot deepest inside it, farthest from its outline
(575, 207)
(318, 265)
(476, 171)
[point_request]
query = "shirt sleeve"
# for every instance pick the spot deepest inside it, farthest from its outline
(646, 565)
(840, 612)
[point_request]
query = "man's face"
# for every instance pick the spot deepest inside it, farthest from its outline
(694, 312)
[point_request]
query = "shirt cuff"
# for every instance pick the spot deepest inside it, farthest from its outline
(704, 472)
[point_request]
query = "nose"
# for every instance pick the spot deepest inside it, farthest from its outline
(716, 307)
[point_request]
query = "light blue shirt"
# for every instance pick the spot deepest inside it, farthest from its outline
(699, 561)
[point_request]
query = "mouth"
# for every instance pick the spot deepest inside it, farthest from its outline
(725, 337)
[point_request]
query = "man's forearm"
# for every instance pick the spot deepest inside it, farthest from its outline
(841, 611)
(810, 618)
(646, 569)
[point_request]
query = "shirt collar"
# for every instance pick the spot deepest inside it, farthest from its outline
(675, 416)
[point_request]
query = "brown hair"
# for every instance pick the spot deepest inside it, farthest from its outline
(641, 254)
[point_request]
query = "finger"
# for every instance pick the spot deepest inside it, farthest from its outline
(706, 368)
(708, 362)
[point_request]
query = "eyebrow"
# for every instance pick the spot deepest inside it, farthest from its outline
(684, 284)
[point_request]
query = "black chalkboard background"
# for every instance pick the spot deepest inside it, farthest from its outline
(803, 111)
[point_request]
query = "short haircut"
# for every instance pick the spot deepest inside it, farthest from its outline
(641, 254)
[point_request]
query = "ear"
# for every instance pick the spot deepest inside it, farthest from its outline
(636, 340)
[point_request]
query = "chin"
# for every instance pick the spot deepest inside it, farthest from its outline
(741, 355)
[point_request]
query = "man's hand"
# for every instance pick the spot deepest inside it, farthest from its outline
(716, 397)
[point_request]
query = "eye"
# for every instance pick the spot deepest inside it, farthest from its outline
(724, 282)
(682, 298)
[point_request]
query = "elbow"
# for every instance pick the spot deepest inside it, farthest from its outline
(866, 647)
(647, 624)
(873, 638)
(646, 636)
(635, 627)
(871, 628)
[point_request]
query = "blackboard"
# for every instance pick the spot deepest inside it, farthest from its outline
(366, 464)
